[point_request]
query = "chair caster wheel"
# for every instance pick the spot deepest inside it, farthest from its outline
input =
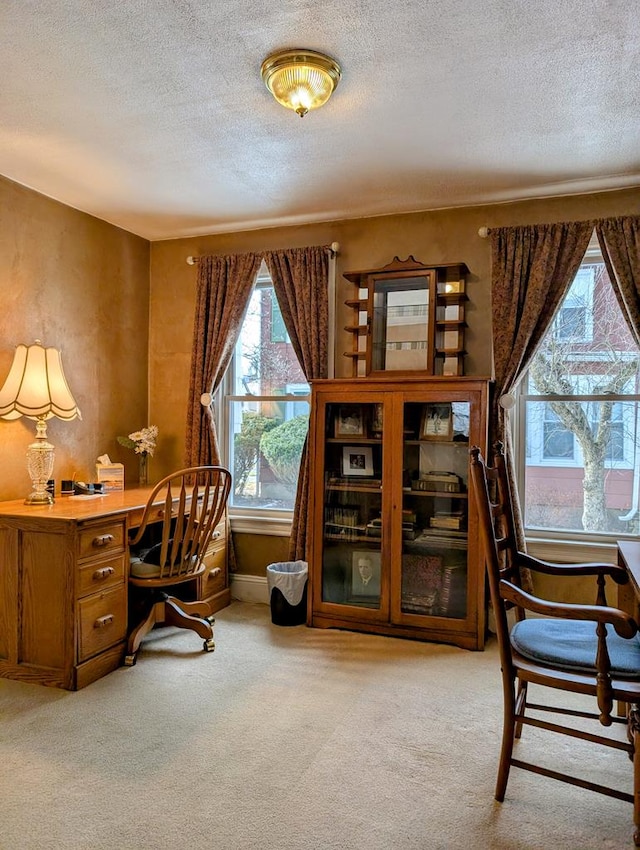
(211, 620)
(209, 645)
(130, 660)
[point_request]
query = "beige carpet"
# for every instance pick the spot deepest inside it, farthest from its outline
(287, 739)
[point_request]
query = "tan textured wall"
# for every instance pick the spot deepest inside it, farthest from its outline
(81, 285)
(436, 237)
(254, 552)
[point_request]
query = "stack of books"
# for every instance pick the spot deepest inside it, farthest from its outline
(409, 531)
(450, 520)
(445, 482)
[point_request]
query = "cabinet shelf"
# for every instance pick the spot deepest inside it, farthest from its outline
(450, 352)
(353, 488)
(435, 494)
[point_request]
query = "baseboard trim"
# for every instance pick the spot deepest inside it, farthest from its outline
(249, 588)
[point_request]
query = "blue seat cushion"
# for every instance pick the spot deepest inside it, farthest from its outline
(573, 644)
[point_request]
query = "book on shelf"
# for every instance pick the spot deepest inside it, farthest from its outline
(409, 532)
(447, 482)
(358, 481)
(453, 589)
(452, 523)
(431, 533)
(408, 520)
(346, 533)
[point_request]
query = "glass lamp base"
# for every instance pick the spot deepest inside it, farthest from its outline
(40, 456)
(39, 498)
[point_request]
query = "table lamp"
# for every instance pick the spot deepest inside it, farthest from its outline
(37, 388)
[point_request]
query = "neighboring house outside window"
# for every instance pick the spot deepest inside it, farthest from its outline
(266, 411)
(579, 460)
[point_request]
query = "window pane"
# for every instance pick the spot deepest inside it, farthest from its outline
(582, 466)
(265, 359)
(586, 478)
(266, 444)
(267, 428)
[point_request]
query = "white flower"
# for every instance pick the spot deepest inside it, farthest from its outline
(143, 441)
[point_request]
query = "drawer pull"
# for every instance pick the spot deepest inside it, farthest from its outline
(216, 535)
(103, 573)
(103, 540)
(101, 622)
(215, 572)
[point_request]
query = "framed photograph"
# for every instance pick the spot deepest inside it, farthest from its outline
(365, 574)
(437, 422)
(349, 421)
(357, 461)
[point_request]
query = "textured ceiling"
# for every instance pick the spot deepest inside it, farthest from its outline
(151, 114)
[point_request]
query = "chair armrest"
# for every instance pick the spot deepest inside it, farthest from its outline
(623, 623)
(616, 572)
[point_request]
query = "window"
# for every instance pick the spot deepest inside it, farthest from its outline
(580, 416)
(266, 409)
(574, 320)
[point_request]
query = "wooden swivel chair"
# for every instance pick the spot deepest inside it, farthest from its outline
(194, 503)
(584, 649)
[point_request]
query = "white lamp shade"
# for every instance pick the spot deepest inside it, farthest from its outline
(36, 386)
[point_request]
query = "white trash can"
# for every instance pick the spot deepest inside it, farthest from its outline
(287, 584)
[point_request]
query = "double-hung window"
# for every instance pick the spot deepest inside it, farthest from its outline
(579, 418)
(265, 410)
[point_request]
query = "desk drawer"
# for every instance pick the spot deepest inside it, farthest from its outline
(99, 575)
(100, 539)
(102, 621)
(214, 577)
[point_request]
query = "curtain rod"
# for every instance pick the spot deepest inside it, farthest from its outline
(333, 249)
(483, 232)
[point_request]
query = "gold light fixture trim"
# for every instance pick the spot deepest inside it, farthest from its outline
(301, 79)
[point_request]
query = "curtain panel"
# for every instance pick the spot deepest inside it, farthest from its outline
(223, 291)
(532, 269)
(619, 240)
(301, 281)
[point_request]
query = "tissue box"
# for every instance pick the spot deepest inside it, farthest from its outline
(110, 475)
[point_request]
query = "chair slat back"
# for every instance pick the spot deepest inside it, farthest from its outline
(498, 539)
(194, 501)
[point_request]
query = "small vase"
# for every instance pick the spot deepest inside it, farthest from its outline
(143, 478)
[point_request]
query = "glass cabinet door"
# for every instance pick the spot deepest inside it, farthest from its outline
(352, 524)
(435, 509)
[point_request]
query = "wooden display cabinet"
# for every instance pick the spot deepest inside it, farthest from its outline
(408, 317)
(394, 544)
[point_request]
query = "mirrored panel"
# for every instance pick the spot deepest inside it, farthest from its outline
(400, 324)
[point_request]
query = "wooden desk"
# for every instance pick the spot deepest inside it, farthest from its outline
(629, 594)
(63, 586)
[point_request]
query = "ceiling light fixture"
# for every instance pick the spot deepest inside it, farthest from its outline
(300, 79)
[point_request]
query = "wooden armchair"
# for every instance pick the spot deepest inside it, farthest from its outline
(194, 503)
(584, 649)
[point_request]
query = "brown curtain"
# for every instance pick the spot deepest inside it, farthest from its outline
(224, 288)
(301, 281)
(620, 245)
(532, 269)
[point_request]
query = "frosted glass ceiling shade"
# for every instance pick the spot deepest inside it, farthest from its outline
(36, 386)
(301, 79)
